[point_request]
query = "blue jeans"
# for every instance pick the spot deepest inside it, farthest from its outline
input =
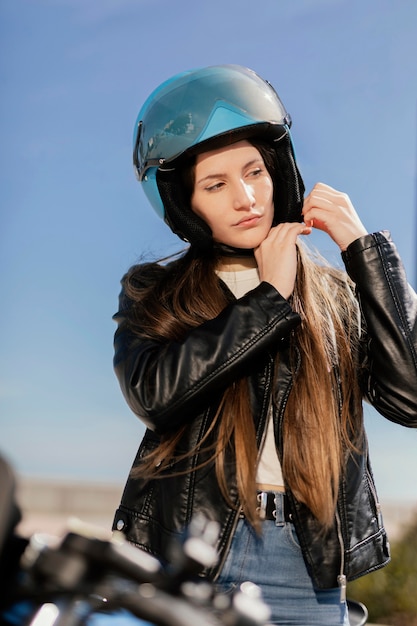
(274, 562)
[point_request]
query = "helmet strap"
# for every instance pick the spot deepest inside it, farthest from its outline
(224, 250)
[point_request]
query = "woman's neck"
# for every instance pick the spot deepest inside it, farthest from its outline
(236, 264)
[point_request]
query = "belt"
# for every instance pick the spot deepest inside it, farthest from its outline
(271, 502)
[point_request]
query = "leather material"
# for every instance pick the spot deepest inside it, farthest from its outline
(168, 386)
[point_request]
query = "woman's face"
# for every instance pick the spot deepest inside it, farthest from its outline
(233, 194)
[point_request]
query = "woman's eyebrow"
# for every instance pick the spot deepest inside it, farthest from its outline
(210, 177)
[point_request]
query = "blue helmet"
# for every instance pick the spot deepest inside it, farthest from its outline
(199, 110)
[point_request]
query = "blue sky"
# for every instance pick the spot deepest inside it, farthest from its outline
(74, 74)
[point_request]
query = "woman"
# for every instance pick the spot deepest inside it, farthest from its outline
(248, 359)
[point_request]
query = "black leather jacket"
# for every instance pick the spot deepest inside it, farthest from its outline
(167, 386)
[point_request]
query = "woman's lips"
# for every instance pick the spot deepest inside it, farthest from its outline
(250, 220)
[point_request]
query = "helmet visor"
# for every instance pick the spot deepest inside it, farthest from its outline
(177, 115)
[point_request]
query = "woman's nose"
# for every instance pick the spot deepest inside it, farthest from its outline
(244, 197)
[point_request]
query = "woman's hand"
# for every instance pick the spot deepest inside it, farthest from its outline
(276, 256)
(331, 211)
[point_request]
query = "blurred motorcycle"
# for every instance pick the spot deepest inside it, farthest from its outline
(85, 579)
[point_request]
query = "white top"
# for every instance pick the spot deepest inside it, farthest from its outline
(269, 468)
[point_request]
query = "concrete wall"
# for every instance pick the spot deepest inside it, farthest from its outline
(46, 506)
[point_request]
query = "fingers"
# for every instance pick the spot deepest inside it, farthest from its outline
(325, 199)
(289, 231)
(282, 237)
(332, 211)
(276, 256)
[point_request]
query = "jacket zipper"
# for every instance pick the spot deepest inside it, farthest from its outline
(268, 412)
(283, 405)
(376, 501)
(341, 579)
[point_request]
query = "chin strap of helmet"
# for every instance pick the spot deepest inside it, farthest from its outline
(223, 250)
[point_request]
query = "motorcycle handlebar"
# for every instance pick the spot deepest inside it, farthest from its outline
(105, 575)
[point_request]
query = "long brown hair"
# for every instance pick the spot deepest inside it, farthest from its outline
(323, 415)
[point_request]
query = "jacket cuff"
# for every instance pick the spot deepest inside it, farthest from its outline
(359, 246)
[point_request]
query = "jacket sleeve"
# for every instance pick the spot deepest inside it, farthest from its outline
(164, 383)
(389, 308)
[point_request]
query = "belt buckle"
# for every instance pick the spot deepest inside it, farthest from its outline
(262, 498)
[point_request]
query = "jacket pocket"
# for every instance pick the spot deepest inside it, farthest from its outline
(369, 547)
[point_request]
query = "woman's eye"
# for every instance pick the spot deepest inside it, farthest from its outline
(256, 172)
(214, 187)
